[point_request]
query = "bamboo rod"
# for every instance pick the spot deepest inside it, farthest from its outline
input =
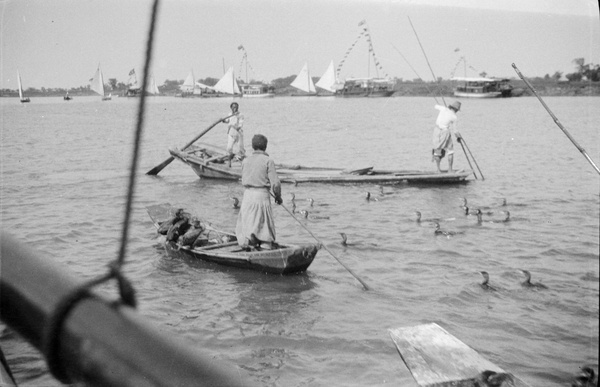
(556, 121)
(99, 344)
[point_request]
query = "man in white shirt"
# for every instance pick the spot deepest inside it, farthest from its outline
(442, 137)
(235, 133)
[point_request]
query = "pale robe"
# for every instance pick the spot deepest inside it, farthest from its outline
(256, 215)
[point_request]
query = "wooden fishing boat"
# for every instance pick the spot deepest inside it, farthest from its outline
(209, 161)
(223, 249)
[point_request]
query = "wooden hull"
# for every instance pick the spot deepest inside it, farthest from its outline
(263, 95)
(365, 94)
(494, 94)
(207, 161)
(287, 259)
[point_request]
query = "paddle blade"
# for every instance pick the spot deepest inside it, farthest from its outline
(156, 170)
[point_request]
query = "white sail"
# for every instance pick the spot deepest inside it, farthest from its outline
(132, 81)
(20, 86)
(303, 81)
(227, 84)
(328, 79)
(188, 84)
(97, 82)
(153, 88)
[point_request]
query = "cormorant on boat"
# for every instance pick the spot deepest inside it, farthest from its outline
(528, 284)
(486, 279)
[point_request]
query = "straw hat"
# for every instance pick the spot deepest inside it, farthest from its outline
(455, 105)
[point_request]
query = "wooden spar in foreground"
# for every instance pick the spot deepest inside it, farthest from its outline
(436, 358)
(99, 344)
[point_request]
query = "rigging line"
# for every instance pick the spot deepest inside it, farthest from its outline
(426, 59)
(413, 69)
(138, 136)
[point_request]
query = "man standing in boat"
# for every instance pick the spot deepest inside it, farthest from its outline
(255, 224)
(442, 137)
(235, 133)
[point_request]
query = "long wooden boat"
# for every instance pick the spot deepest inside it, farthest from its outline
(209, 161)
(366, 87)
(482, 87)
(223, 249)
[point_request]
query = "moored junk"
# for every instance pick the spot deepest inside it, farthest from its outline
(366, 87)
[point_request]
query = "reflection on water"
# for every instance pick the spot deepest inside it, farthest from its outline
(64, 177)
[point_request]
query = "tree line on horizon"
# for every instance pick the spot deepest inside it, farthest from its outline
(584, 72)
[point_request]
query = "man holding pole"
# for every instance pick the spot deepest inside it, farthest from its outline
(442, 138)
(235, 133)
(255, 225)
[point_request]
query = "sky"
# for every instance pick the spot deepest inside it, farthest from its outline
(60, 43)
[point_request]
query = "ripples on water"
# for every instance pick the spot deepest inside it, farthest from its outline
(64, 181)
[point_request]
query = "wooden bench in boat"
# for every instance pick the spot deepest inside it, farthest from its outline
(436, 358)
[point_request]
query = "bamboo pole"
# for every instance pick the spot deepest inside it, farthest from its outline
(556, 121)
(98, 343)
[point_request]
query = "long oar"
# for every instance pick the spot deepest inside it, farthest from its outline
(161, 166)
(556, 119)
(365, 286)
(462, 140)
(468, 161)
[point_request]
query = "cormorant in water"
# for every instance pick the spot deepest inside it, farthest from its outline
(305, 215)
(368, 196)
(236, 202)
(494, 379)
(344, 239)
(486, 279)
(439, 231)
(528, 284)
(587, 378)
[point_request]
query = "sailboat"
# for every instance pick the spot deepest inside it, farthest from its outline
(67, 97)
(227, 84)
(188, 89)
(153, 88)
(21, 97)
(97, 85)
(327, 81)
(133, 89)
(304, 82)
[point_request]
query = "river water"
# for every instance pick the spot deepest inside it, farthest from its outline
(64, 181)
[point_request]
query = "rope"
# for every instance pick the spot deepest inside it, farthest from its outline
(53, 327)
(364, 32)
(245, 58)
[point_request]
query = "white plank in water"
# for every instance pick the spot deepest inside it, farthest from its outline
(436, 358)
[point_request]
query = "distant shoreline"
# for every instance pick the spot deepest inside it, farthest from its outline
(542, 87)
